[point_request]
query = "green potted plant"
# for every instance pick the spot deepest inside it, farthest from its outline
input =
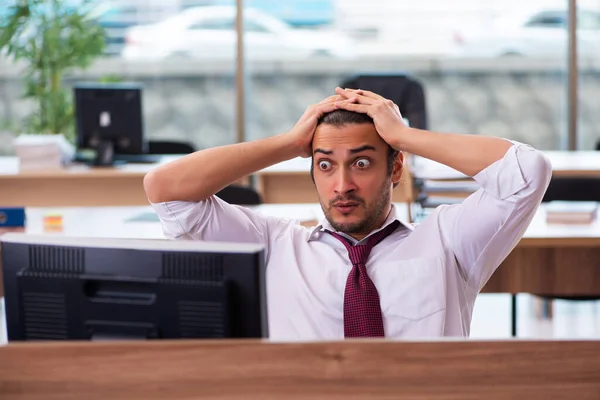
(50, 38)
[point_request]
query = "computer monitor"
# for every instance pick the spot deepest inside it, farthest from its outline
(109, 120)
(69, 288)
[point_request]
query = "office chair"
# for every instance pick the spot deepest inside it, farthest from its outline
(240, 195)
(169, 147)
(573, 189)
(402, 89)
(598, 145)
(565, 189)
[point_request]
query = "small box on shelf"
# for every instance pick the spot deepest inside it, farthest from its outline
(571, 212)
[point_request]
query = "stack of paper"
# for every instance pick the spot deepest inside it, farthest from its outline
(439, 184)
(571, 212)
(43, 152)
(449, 188)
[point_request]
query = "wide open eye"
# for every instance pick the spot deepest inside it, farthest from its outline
(324, 165)
(362, 163)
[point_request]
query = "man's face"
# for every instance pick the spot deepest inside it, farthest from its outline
(351, 175)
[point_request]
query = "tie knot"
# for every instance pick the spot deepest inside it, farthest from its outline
(360, 253)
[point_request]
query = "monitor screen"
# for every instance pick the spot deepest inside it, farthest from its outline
(69, 288)
(110, 114)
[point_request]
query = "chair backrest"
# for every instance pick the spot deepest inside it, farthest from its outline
(402, 89)
(573, 189)
(169, 147)
(240, 195)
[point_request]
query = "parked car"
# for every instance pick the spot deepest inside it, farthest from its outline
(113, 16)
(296, 13)
(541, 33)
(114, 19)
(209, 33)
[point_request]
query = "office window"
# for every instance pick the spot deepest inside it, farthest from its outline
(187, 61)
(588, 43)
(183, 52)
(490, 68)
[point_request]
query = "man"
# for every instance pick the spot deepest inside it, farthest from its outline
(399, 280)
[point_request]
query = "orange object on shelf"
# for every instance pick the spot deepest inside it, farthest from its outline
(53, 223)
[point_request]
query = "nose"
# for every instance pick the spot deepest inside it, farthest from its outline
(344, 182)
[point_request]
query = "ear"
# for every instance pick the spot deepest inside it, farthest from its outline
(398, 168)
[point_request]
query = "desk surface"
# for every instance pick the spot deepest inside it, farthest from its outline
(116, 222)
(367, 369)
(9, 169)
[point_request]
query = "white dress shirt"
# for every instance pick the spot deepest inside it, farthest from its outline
(427, 275)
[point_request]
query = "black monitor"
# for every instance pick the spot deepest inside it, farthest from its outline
(69, 288)
(109, 121)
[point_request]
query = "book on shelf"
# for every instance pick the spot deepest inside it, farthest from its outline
(571, 212)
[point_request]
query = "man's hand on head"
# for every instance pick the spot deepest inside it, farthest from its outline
(385, 113)
(302, 133)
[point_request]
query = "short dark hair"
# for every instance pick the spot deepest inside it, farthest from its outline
(341, 118)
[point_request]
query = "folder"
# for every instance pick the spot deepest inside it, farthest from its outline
(11, 219)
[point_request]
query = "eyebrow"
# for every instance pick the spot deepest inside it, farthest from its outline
(318, 150)
(362, 148)
(352, 151)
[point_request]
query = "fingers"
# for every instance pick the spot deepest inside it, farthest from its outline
(330, 99)
(353, 92)
(357, 91)
(372, 95)
(347, 93)
(356, 95)
(324, 108)
(334, 98)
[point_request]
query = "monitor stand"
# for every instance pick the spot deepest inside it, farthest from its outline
(105, 155)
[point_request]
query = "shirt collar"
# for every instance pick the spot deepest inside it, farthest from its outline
(324, 225)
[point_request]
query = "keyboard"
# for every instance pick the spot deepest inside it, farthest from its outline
(138, 158)
(123, 158)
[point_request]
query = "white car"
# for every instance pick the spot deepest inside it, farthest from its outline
(209, 33)
(541, 33)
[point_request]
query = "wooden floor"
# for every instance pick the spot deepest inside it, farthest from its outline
(491, 319)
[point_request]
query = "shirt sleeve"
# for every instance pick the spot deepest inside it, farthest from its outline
(488, 224)
(215, 220)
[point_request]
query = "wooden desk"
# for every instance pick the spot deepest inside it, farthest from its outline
(560, 260)
(550, 259)
(78, 185)
(575, 163)
(373, 369)
(287, 182)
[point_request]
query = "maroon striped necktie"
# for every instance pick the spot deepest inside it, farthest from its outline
(362, 310)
